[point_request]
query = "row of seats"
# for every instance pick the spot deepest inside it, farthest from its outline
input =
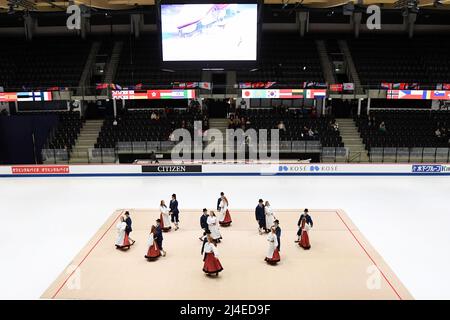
(138, 125)
(406, 129)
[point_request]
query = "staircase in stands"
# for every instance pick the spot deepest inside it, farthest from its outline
(352, 140)
(221, 125)
(86, 140)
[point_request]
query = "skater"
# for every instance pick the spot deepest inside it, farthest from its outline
(128, 228)
(174, 211)
(164, 217)
(278, 233)
(205, 240)
(270, 218)
(304, 234)
(260, 216)
(211, 262)
(159, 237)
(220, 200)
(309, 221)
(213, 226)
(153, 251)
(204, 223)
(273, 256)
(225, 217)
(122, 240)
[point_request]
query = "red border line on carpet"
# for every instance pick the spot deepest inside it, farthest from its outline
(85, 257)
(367, 253)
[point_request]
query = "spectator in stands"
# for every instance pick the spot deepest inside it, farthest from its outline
(153, 115)
(164, 114)
(438, 133)
(236, 123)
(382, 127)
(115, 122)
(313, 113)
(281, 126)
(231, 122)
(205, 122)
(334, 125)
(243, 123)
(310, 132)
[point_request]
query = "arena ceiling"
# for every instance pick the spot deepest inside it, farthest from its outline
(59, 5)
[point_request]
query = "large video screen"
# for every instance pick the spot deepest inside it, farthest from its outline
(209, 32)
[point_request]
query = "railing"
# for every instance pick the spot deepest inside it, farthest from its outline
(409, 155)
(139, 147)
(327, 154)
(92, 155)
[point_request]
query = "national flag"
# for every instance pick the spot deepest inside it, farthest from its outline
(204, 85)
(123, 94)
(171, 94)
(336, 87)
(315, 93)
(348, 86)
(34, 96)
(269, 84)
(254, 93)
(153, 94)
(291, 94)
(245, 85)
(440, 95)
(274, 94)
(8, 96)
(386, 85)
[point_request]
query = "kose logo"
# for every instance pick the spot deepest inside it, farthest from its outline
(307, 168)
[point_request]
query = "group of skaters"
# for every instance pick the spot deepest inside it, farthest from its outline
(210, 223)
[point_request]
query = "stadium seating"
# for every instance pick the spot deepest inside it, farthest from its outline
(137, 125)
(286, 59)
(140, 64)
(404, 129)
(296, 124)
(66, 132)
(43, 63)
(394, 59)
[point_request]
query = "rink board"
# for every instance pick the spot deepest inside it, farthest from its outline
(340, 265)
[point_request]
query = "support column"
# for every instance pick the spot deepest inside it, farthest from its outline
(303, 22)
(137, 22)
(115, 108)
(368, 106)
(356, 18)
(412, 17)
(359, 107)
(29, 26)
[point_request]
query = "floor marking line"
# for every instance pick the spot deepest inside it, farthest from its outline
(367, 253)
(85, 257)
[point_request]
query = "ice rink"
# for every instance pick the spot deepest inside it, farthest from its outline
(46, 221)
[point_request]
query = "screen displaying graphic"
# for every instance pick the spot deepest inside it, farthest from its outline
(209, 32)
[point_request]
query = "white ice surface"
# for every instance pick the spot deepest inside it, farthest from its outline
(46, 221)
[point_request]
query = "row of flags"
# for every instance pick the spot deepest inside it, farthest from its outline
(153, 94)
(284, 93)
(26, 96)
(192, 85)
(342, 87)
(418, 94)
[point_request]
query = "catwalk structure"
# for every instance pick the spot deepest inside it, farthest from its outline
(340, 256)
